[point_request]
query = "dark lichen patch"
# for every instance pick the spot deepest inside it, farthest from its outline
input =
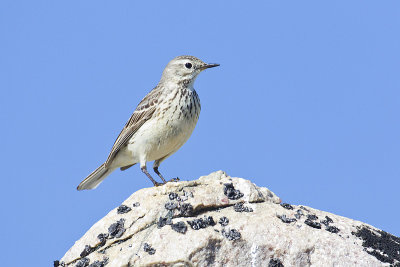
(210, 220)
(327, 221)
(332, 229)
(83, 262)
(287, 206)
(304, 208)
(275, 263)
(170, 205)
(312, 223)
(136, 204)
(99, 263)
(147, 248)
(239, 207)
(102, 238)
(172, 196)
(187, 194)
(231, 235)
(298, 214)
(312, 217)
(223, 221)
(286, 219)
(186, 209)
(179, 227)
(231, 192)
(116, 229)
(57, 263)
(167, 220)
(198, 224)
(86, 251)
(162, 221)
(380, 244)
(123, 209)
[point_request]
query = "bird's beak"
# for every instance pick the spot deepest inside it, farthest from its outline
(207, 66)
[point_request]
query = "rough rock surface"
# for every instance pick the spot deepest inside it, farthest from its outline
(222, 221)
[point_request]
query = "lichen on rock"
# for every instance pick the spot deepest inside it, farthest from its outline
(218, 220)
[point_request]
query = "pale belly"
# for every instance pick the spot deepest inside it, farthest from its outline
(160, 140)
(155, 140)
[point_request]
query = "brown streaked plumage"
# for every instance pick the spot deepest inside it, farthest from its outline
(143, 112)
(160, 124)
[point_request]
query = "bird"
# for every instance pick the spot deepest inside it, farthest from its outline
(161, 123)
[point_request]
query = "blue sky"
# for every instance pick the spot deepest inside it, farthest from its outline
(305, 102)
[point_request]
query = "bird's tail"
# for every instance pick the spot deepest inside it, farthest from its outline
(95, 178)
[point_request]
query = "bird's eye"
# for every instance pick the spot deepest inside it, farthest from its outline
(188, 65)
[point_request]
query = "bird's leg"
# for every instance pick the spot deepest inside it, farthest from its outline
(155, 168)
(162, 178)
(159, 174)
(144, 170)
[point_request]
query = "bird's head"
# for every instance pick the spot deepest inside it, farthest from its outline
(184, 68)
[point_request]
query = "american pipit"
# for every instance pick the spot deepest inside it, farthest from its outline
(162, 122)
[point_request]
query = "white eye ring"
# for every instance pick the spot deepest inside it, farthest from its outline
(188, 65)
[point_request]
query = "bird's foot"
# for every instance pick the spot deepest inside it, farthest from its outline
(174, 180)
(158, 184)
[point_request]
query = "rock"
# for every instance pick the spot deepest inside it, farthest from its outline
(206, 229)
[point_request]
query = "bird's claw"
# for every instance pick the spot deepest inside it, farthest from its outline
(156, 184)
(174, 180)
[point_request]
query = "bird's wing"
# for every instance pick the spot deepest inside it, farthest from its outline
(143, 112)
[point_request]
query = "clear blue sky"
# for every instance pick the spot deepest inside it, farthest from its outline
(306, 102)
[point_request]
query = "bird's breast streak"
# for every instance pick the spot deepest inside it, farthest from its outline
(161, 136)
